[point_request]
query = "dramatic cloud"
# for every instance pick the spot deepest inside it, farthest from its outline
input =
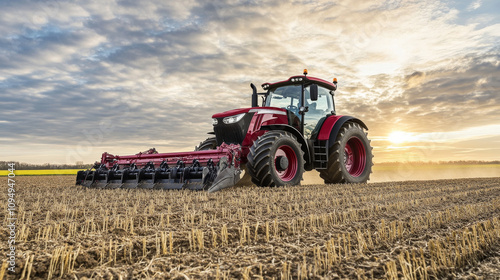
(80, 79)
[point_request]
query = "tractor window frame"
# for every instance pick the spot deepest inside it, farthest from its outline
(323, 93)
(315, 115)
(290, 93)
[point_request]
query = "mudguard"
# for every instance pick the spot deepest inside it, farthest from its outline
(331, 127)
(288, 128)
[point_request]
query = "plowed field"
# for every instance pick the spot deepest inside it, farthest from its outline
(411, 230)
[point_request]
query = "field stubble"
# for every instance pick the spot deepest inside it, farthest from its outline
(411, 230)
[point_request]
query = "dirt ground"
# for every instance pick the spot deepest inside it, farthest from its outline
(445, 229)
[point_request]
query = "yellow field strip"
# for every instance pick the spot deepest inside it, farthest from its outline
(42, 172)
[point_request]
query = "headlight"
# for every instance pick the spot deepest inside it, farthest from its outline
(233, 119)
(214, 121)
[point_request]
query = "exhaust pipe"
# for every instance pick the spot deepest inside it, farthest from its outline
(254, 96)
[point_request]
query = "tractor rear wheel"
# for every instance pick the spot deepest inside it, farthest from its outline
(208, 144)
(350, 159)
(276, 159)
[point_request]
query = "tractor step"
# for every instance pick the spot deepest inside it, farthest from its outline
(320, 154)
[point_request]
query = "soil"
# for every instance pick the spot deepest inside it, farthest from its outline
(443, 229)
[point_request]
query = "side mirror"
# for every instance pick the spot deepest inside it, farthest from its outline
(313, 92)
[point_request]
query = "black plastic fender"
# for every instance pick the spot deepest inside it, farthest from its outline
(339, 123)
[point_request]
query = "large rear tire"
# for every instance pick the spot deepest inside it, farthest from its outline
(208, 144)
(276, 159)
(350, 159)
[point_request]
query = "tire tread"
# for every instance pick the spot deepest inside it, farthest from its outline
(259, 160)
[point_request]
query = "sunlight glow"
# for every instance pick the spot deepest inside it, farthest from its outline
(398, 137)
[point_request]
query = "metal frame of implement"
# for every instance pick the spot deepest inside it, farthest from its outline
(210, 170)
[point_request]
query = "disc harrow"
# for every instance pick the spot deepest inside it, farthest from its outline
(210, 170)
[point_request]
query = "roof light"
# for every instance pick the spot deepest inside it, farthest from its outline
(305, 72)
(335, 80)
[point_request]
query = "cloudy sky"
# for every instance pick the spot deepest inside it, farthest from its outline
(81, 78)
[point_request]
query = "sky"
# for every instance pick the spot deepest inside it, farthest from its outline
(81, 78)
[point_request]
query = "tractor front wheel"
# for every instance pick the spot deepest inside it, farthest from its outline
(276, 159)
(350, 159)
(208, 144)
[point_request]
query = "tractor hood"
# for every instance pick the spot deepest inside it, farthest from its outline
(273, 110)
(234, 126)
(231, 113)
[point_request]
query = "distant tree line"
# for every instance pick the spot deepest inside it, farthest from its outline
(455, 162)
(464, 162)
(4, 165)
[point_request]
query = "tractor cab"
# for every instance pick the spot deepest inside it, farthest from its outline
(309, 99)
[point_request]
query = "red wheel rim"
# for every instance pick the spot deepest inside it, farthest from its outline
(289, 173)
(354, 157)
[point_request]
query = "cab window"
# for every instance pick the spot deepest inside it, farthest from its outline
(317, 111)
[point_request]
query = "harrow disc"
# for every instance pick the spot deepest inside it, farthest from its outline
(206, 171)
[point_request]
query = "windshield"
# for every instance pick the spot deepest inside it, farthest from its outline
(287, 97)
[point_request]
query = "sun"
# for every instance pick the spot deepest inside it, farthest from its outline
(398, 137)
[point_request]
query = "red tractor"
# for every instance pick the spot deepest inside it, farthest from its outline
(295, 130)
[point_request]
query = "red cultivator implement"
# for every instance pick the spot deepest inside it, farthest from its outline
(200, 170)
(295, 130)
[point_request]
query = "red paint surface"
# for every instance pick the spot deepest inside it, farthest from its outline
(321, 82)
(354, 157)
(289, 173)
(324, 133)
(258, 120)
(231, 113)
(141, 160)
